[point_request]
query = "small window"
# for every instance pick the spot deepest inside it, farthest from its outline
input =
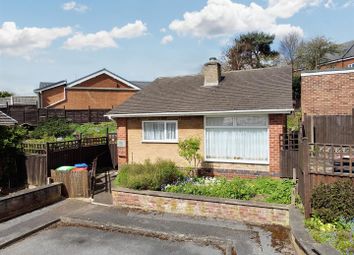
(160, 131)
(351, 65)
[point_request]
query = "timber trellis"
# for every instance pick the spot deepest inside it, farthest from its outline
(315, 164)
(32, 115)
(42, 157)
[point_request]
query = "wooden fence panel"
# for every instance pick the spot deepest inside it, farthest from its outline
(337, 129)
(36, 169)
(32, 115)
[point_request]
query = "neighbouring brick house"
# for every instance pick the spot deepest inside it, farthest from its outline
(237, 115)
(344, 58)
(100, 90)
(327, 92)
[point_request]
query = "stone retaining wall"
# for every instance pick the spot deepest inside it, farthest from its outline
(230, 209)
(28, 200)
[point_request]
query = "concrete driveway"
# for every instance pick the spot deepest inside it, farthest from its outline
(95, 229)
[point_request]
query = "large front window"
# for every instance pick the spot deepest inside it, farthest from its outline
(237, 139)
(160, 131)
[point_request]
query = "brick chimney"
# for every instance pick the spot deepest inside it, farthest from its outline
(212, 72)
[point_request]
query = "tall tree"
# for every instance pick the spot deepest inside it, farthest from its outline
(289, 46)
(251, 50)
(312, 52)
(5, 94)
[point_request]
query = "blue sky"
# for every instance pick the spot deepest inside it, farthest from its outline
(141, 40)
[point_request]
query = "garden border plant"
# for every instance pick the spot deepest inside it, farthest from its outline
(332, 221)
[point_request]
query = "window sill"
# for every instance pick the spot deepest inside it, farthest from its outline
(162, 142)
(254, 162)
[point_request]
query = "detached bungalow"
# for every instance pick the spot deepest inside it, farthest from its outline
(238, 116)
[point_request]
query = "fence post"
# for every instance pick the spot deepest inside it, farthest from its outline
(293, 197)
(89, 114)
(307, 181)
(47, 158)
(353, 125)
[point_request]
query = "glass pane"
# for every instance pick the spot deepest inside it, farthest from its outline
(237, 144)
(171, 128)
(219, 121)
(251, 121)
(154, 131)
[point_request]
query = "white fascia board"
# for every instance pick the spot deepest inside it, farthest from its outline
(207, 113)
(103, 72)
(47, 88)
(344, 71)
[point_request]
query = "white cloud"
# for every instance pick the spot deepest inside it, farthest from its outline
(221, 18)
(163, 30)
(73, 6)
(105, 39)
(167, 39)
(22, 42)
(349, 3)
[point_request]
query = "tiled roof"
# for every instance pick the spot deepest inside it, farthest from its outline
(258, 89)
(6, 120)
(345, 50)
(48, 85)
(141, 84)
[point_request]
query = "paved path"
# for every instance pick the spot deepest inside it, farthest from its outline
(247, 239)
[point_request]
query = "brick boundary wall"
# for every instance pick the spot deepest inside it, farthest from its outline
(28, 200)
(249, 212)
(231, 173)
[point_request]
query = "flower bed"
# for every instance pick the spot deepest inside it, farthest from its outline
(261, 189)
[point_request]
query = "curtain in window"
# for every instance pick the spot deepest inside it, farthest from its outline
(154, 131)
(171, 131)
(237, 144)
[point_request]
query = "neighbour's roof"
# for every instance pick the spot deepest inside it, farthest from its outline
(246, 90)
(345, 50)
(141, 84)
(49, 85)
(6, 120)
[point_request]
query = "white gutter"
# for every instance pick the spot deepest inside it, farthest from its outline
(206, 113)
(328, 72)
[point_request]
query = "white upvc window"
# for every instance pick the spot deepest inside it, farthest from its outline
(160, 131)
(240, 138)
(351, 65)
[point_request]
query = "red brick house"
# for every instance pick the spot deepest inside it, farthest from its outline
(327, 92)
(344, 58)
(99, 90)
(237, 115)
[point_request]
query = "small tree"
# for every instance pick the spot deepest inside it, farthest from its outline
(5, 93)
(189, 150)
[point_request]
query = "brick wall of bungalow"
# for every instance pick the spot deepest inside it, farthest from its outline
(327, 94)
(97, 93)
(130, 131)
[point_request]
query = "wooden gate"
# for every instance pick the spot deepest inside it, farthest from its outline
(289, 153)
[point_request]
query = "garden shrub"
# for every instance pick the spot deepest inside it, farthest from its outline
(57, 127)
(272, 191)
(189, 150)
(148, 176)
(330, 202)
(10, 147)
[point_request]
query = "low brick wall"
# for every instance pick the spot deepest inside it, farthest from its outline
(230, 209)
(28, 200)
